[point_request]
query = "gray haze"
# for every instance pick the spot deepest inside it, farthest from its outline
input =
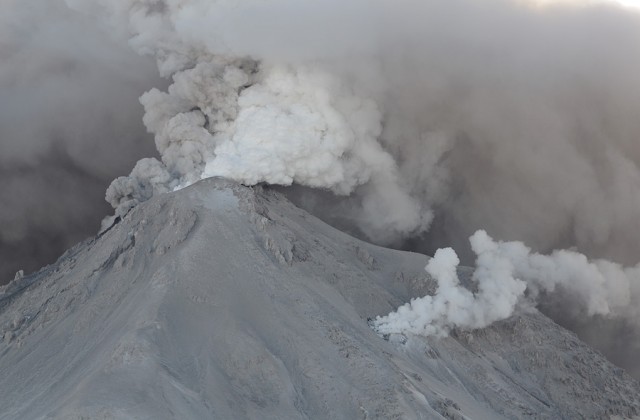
(70, 122)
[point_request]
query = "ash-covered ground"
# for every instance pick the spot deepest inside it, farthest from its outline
(222, 301)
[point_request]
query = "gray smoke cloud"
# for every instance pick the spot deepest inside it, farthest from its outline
(423, 107)
(70, 121)
(424, 121)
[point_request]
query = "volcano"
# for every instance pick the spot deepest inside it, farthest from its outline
(229, 302)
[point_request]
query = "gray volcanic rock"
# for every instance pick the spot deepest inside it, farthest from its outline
(227, 302)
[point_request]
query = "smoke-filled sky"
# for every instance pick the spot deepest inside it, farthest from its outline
(70, 121)
(413, 123)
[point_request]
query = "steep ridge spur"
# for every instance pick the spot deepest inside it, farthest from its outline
(222, 301)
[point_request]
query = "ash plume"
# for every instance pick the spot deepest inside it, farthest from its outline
(517, 117)
(69, 123)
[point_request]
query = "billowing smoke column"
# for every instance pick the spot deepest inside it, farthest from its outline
(518, 117)
(279, 125)
(234, 111)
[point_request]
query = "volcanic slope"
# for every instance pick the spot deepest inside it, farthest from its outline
(227, 302)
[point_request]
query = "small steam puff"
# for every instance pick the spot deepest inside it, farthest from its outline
(510, 276)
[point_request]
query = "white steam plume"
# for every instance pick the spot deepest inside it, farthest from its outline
(509, 276)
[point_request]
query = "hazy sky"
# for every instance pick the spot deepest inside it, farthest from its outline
(631, 3)
(70, 122)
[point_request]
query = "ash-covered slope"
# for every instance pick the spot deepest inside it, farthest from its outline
(221, 301)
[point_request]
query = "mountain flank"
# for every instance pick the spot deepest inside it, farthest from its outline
(228, 302)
